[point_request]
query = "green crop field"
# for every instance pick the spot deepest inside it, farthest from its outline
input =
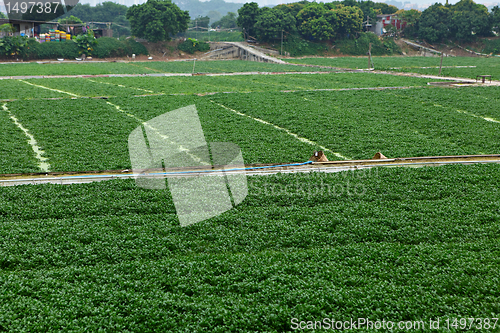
(128, 86)
(94, 68)
(393, 244)
(410, 244)
(489, 66)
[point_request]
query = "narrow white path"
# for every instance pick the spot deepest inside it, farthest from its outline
(119, 109)
(42, 164)
(121, 86)
(56, 90)
(472, 114)
(180, 148)
(301, 139)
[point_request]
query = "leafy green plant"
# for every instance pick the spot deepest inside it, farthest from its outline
(13, 46)
(192, 45)
(112, 256)
(296, 46)
(86, 43)
(360, 45)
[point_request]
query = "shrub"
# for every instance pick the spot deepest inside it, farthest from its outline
(134, 47)
(297, 46)
(359, 46)
(491, 46)
(110, 47)
(13, 46)
(30, 49)
(50, 50)
(86, 43)
(191, 45)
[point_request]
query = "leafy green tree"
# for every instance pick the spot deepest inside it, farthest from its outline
(350, 20)
(292, 8)
(434, 23)
(84, 12)
(247, 17)
(495, 19)
(157, 20)
(70, 20)
(7, 28)
(317, 22)
(384, 8)
(410, 17)
(227, 22)
(2, 16)
(469, 19)
(272, 22)
(106, 12)
(120, 26)
(200, 21)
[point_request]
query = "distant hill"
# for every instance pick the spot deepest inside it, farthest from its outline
(214, 9)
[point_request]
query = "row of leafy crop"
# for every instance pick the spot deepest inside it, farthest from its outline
(89, 134)
(15, 153)
(399, 123)
(128, 86)
(411, 64)
(16, 89)
(403, 244)
(89, 68)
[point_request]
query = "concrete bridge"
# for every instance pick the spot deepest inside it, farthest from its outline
(237, 50)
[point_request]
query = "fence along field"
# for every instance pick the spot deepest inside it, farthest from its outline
(401, 244)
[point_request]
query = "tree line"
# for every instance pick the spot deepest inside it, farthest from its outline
(158, 20)
(462, 21)
(313, 21)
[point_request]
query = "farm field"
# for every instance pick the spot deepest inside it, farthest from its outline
(489, 66)
(399, 244)
(89, 68)
(130, 86)
(91, 134)
(407, 244)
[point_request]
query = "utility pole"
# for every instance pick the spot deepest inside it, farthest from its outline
(441, 63)
(370, 56)
(281, 41)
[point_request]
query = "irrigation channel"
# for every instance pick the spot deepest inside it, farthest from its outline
(250, 170)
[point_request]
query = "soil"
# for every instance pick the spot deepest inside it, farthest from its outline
(167, 51)
(455, 51)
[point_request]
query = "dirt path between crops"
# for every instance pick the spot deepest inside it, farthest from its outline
(334, 70)
(62, 178)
